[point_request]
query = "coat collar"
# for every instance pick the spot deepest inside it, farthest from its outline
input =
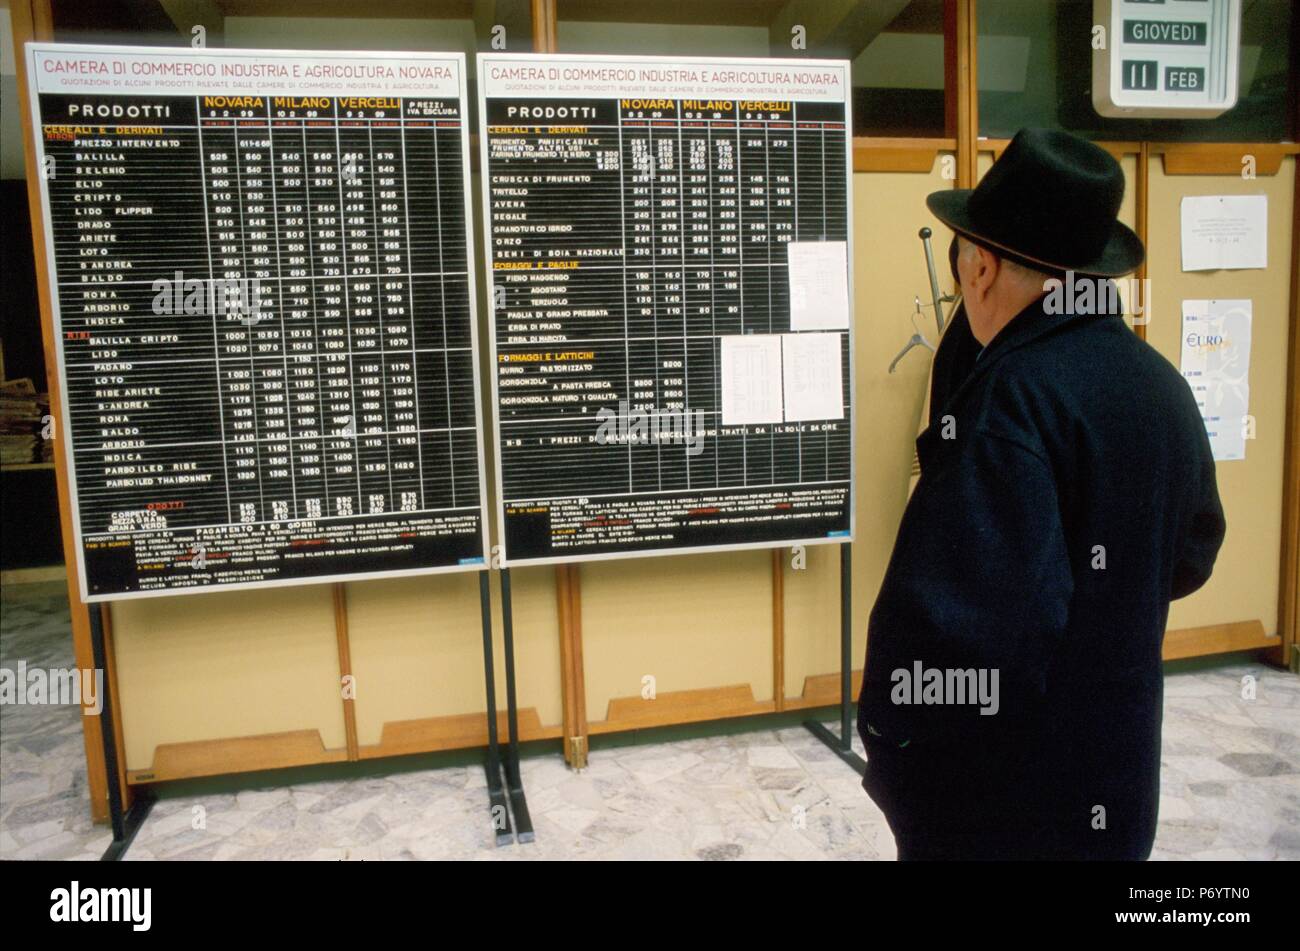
(1027, 326)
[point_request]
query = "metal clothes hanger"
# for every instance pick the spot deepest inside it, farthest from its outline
(917, 339)
(939, 299)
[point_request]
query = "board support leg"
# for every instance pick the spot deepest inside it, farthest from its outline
(497, 810)
(125, 824)
(514, 779)
(842, 745)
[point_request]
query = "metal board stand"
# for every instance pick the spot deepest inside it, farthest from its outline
(514, 779)
(125, 823)
(842, 745)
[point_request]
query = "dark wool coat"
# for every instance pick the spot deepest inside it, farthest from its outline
(1074, 499)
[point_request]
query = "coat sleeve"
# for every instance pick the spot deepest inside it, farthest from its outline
(980, 579)
(1205, 526)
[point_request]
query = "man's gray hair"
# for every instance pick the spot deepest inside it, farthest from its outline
(1023, 272)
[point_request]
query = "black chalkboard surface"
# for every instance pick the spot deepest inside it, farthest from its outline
(667, 244)
(264, 314)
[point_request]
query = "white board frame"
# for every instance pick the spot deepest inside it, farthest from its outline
(484, 60)
(457, 59)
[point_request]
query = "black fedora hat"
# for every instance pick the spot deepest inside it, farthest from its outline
(1050, 202)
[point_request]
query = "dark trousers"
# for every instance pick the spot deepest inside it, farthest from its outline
(991, 828)
(968, 847)
(950, 807)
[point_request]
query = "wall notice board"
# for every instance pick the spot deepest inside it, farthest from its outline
(667, 241)
(263, 303)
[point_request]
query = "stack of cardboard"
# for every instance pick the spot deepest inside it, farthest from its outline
(22, 415)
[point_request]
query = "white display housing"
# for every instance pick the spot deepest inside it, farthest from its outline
(1166, 58)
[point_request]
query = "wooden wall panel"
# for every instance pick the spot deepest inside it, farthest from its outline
(224, 665)
(1245, 582)
(418, 659)
(693, 622)
(415, 643)
(889, 272)
(416, 649)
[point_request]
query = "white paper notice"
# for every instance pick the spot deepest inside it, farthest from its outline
(1216, 365)
(1225, 231)
(819, 285)
(810, 366)
(751, 379)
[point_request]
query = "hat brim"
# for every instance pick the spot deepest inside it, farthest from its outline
(1122, 253)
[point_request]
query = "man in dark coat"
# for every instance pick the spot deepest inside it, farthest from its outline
(1011, 701)
(958, 349)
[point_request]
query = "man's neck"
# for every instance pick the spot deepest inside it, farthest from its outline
(1010, 309)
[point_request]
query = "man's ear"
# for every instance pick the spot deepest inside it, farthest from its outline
(987, 264)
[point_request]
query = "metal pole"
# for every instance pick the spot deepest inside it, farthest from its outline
(846, 647)
(842, 745)
(496, 794)
(125, 824)
(508, 630)
(514, 778)
(489, 670)
(107, 731)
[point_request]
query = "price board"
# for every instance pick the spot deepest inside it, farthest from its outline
(667, 245)
(264, 314)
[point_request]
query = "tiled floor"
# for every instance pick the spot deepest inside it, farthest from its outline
(1231, 788)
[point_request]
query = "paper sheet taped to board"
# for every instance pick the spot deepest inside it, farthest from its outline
(751, 379)
(812, 383)
(1224, 232)
(819, 285)
(1216, 364)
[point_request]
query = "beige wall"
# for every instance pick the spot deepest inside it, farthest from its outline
(1244, 586)
(239, 664)
(227, 664)
(888, 274)
(417, 648)
(224, 665)
(691, 622)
